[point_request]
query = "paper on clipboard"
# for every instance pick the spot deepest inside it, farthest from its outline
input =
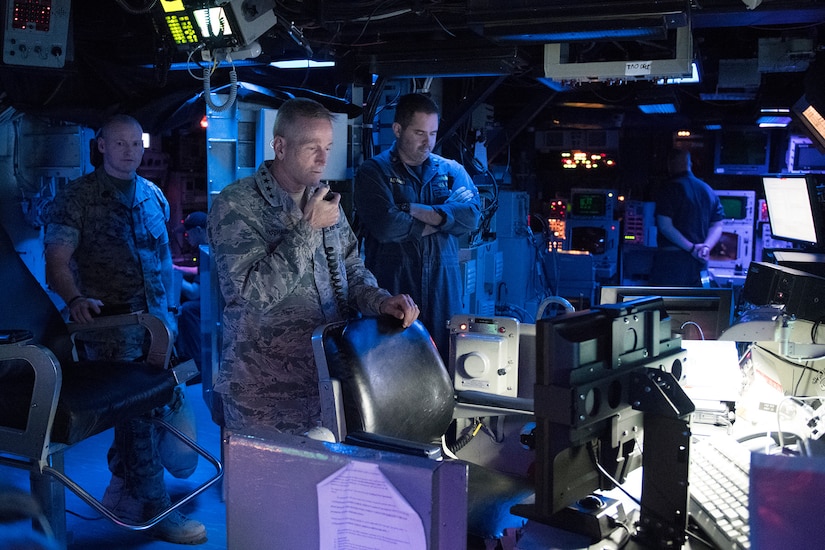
(359, 508)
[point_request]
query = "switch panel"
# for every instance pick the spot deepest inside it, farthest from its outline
(36, 33)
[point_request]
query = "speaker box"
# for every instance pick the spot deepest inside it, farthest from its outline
(802, 293)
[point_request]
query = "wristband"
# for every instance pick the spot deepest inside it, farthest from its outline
(443, 216)
(72, 302)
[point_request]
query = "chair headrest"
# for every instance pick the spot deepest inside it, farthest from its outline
(393, 379)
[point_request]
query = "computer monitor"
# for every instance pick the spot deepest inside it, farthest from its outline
(795, 210)
(738, 205)
(743, 151)
(592, 370)
(804, 156)
(228, 26)
(696, 313)
(812, 119)
(734, 250)
(592, 203)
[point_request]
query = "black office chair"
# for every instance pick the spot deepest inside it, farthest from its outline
(49, 401)
(387, 387)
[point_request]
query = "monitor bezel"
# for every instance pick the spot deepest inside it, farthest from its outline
(805, 111)
(817, 218)
(680, 299)
(721, 166)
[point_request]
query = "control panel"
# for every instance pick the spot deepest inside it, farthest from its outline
(36, 32)
(484, 354)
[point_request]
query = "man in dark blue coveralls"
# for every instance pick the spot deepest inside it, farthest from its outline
(689, 219)
(413, 206)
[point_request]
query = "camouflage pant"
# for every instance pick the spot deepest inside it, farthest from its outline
(177, 457)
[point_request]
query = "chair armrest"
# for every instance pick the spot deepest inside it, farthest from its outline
(393, 444)
(32, 441)
(160, 347)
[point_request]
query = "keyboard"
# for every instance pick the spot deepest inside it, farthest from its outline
(718, 481)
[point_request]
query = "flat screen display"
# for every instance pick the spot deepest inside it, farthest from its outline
(812, 119)
(212, 22)
(696, 313)
(589, 204)
(727, 249)
(792, 209)
(736, 208)
(742, 151)
(592, 239)
(808, 158)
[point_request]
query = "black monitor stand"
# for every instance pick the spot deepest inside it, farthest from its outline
(663, 515)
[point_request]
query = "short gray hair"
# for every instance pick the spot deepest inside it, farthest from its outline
(293, 110)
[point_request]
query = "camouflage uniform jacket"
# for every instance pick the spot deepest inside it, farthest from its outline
(275, 276)
(121, 249)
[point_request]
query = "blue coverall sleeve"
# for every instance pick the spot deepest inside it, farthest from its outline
(377, 209)
(461, 217)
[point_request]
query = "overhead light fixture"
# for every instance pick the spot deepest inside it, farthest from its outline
(584, 105)
(433, 60)
(561, 36)
(301, 64)
(771, 117)
(658, 108)
(657, 101)
(554, 85)
(773, 121)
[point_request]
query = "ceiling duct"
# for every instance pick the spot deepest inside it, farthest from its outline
(671, 58)
(543, 21)
(435, 60)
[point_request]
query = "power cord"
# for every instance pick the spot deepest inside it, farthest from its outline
(207, 91)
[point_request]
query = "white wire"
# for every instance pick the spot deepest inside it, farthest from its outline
(686, 323)
(803, 441)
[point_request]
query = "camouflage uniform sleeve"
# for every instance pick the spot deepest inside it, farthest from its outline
(64, 217)
(258, 266)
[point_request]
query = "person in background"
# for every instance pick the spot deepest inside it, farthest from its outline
(287, 262)
(107, 245)
(689, 220)
(413, 206)
(188, 343)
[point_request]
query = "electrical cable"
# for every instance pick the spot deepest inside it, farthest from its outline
(136, 11)
(207, 92)
(695, 324)
(337, 278)
(466, 437)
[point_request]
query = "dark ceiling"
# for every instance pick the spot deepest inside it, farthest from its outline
(120, 58)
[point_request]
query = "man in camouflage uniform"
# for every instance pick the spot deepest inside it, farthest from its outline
(287, 262)
(107, 244)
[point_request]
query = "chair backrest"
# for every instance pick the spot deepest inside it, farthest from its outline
(393, 381)
(25, 305)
